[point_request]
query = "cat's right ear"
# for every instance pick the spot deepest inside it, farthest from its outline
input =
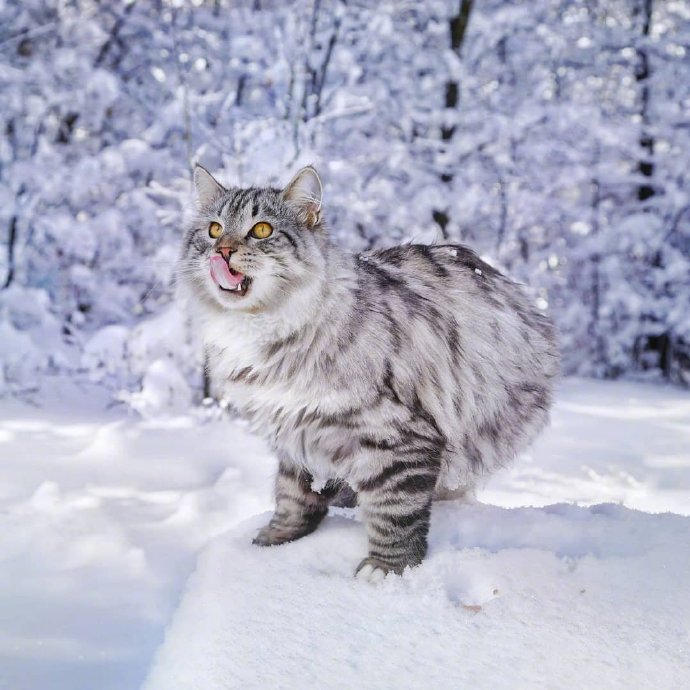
(206, 186)
(305, 192)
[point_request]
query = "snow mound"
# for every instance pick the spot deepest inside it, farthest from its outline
(163, 390)
(559, 597)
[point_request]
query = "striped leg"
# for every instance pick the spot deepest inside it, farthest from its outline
(397, 509)
(299, 510)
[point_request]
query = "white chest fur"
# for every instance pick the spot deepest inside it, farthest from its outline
(277, 405)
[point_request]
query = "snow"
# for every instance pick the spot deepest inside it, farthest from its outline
(537, 166)
(102, 515)
(554, 597)
(163, 390)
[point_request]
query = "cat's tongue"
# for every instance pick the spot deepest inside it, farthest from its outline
(221, 274)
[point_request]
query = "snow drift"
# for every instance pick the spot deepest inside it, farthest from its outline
(560, 596)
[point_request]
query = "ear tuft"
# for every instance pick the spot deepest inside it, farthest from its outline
(305, 192)
(206, 186)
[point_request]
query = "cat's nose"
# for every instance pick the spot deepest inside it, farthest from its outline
(226, 252)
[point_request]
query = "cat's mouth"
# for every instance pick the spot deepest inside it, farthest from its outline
(242, 286)
(227, 278)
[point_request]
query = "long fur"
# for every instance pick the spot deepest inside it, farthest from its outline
(403, 373)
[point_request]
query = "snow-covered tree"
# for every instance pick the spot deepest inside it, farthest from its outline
(552, 136)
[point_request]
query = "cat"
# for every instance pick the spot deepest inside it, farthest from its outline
(396, 375)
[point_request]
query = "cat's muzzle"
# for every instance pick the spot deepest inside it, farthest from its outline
(227, 278)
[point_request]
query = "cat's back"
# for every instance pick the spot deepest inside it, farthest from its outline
(448, 281)
(450, 305)
(436, 265)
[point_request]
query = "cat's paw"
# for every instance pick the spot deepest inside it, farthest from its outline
(372, 570)
(272, 536)
(279, 531)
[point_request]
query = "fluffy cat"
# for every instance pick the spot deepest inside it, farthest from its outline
(399, 374)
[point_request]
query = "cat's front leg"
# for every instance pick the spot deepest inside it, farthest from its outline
(396, 505)
(299, 510)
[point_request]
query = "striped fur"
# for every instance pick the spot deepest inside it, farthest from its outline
(403, 374)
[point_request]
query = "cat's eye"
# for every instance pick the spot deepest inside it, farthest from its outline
(215, 230)
(261, 231)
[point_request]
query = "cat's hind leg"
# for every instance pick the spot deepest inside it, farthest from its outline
(396, 505)
(299, 510)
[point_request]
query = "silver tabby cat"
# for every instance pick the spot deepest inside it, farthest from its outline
(398, 375)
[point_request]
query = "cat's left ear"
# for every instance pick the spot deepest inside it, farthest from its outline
(305, 192)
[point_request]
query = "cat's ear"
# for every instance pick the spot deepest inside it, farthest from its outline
(305, 192)
(206, 186)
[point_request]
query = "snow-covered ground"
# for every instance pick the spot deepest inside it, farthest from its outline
(102, 516)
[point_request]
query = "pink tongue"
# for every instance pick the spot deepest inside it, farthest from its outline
(221, 273)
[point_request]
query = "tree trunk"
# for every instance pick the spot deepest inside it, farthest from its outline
(458, 28)
(11, 242)
(659, 344)
(642, 75)
(595, 326)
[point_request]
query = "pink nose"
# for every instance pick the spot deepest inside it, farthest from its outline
(226, 252)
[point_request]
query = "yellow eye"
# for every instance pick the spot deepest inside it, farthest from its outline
(261, 231)
(215, 230)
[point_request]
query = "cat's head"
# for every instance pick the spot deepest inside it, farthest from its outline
(250, 249)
